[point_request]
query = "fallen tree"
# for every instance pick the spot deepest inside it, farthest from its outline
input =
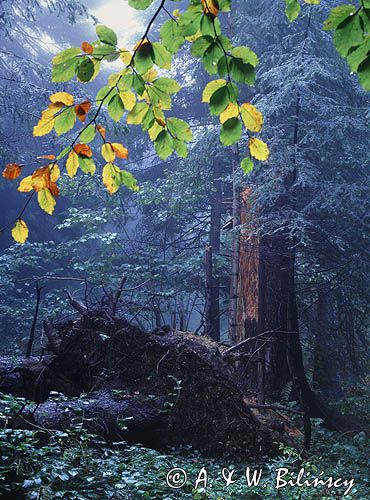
(160, 388)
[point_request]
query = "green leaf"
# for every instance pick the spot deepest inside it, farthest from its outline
(211, 88)
(144, 58)
(65, 121)
(140, 4)
(137, 114)
(247, 165)
(161, 56)
(116, 108)
(64, 153)
(231, 131)
(364, 74)
(180, 129)
(171, 36)
(292, 9)
(105, 51)
(189, 22)
(168, 85)
(200, 45)
(129, 180)
(64, 71)
(106, 35)
(85, 70)
(102, 93)
(88, 134)
(338, 15)
(67, 55)
(357, 56)
(211, 57)
(219, 100)
(246, 54)
(164, 145)
(209, 25)
(181, 148)
(225, 5)
(87, 165)
(348, 34)
(242, 72)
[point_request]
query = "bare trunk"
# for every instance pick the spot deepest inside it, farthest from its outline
(235, 258)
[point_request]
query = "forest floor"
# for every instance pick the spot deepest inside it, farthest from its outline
(75, 464)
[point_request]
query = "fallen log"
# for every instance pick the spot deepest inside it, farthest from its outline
(178, 372)
(112, 417)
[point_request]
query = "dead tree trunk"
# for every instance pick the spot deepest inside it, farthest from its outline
(262, 303)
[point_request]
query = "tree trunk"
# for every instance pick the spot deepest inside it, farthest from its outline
(326, 370)
(212, 309)
(235, 257)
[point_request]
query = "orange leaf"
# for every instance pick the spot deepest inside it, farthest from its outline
(210, 7)
(87, 47)
(54, 190)
(83, 150)
(12, 171)
(41, 178)
(82, 110)
(101, 131)
(120, 150)
(47, 157)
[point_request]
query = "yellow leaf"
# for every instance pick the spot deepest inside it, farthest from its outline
(44, 126)
(46, 201)
(150, 75)
(258, 149)
(25, 186)
(211, 88)
(154, 131)
(210, 7)
(128, 99)
(72, 164)
(176, 13)
(63, 97)
(54, 172)
(20, 231)
(137, 114)
(252, 118)
(41, 178)
(231, 111)
(52, 110)
(107, 152)
(120, 150)
(111, 178)
(125, 56)
(12, 171)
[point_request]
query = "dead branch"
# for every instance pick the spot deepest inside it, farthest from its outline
(76, 304)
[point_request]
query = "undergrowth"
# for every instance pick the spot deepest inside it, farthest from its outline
(74, 464)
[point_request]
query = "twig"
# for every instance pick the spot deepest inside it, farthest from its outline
(34, 322)
(251, 339)
(273, 407)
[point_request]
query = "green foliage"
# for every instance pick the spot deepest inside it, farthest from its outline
(77, 465)
(351, 26)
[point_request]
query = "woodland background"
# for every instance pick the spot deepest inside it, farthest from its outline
(309, 201)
